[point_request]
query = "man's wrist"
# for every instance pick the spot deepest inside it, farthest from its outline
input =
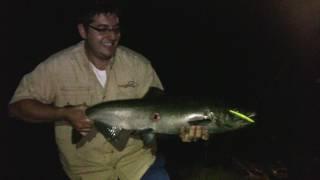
(61, 113)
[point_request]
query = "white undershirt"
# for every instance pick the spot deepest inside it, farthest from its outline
(100, 74)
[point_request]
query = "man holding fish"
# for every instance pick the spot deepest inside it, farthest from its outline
(95, 70)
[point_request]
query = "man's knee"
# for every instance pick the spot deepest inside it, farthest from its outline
(157, 170)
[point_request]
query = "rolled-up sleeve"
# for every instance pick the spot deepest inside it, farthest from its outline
(37, 85)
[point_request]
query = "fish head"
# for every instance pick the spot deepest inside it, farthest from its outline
(230, 119)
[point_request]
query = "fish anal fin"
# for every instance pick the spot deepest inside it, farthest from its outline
(120, 141)
(116, 136)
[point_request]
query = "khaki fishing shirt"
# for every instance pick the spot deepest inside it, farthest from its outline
(66, 78)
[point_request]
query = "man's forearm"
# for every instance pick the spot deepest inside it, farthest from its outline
(35, 111)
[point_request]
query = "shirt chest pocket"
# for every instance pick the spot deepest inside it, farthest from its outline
(74, 95)
(127, 89)
(126, 86)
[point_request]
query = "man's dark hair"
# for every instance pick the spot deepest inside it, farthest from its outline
(91, 8)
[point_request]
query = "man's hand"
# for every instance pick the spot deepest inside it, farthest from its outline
(194, 133)
(78, 119)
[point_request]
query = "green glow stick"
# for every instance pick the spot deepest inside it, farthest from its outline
(242, 116)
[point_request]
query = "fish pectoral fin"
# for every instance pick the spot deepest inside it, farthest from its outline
(118, 137)
(201, 122)
(148, 136)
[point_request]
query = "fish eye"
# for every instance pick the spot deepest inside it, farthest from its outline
(155, 117)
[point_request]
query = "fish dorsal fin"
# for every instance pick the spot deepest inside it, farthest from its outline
(116, 136)
(201, 122)
(154, 92)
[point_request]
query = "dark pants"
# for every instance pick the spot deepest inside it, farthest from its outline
(156, 170)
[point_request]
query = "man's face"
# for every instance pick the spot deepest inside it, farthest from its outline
(102, 36)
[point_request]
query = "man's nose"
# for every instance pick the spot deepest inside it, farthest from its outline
(112, 34)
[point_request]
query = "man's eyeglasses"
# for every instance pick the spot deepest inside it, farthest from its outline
(105, 30)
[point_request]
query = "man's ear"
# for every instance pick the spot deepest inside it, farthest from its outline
(82, 31)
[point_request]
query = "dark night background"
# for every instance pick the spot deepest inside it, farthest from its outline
(259, 54)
